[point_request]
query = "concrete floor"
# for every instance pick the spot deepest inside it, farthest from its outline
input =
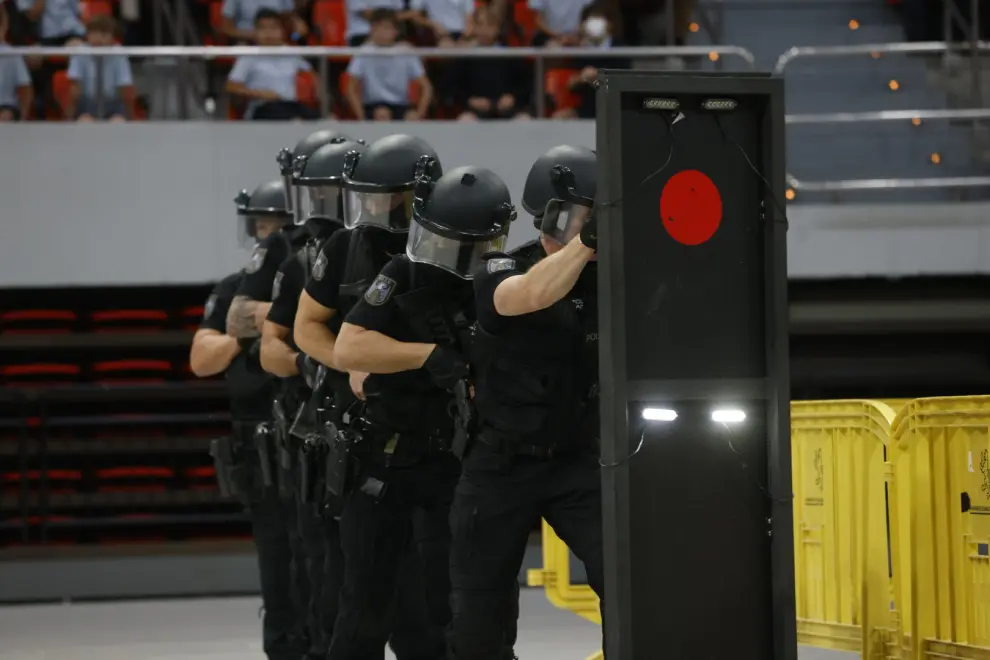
(228, 629)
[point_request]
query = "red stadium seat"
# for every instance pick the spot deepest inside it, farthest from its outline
(192, 317)
(129, 320)
(61, 86)
(556, 82)
(90, 8)
(330, 18)
(40, 373)
(306, 89)
(526, 20)
(132, 371)
(37, 321)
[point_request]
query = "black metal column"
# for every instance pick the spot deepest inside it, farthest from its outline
(695, 412)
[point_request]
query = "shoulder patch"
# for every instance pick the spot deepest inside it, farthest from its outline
(380, 291)
(498, 265)
(209, 307)
(257, 259)
(320, 266)
(277, 285)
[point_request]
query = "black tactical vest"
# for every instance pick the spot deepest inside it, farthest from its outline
(436, 313)
(531, 383)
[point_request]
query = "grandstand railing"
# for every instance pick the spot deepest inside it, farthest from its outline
(841, 185)
(324, 53)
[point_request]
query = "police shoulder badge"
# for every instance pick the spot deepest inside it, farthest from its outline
(277, 285)
(498, 265)
(211, 304)
(257, 259)
(380, 291)
(320, 266)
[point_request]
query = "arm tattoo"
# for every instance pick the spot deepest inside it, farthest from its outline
(240, 318)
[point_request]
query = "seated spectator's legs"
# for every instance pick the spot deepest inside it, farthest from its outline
(541, 39)
(282, 111)
(8, 113)
(385, 112)
(88, 110)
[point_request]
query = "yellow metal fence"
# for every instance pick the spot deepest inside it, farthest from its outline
(891, 529)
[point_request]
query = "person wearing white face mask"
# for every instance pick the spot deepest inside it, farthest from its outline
(598, 30)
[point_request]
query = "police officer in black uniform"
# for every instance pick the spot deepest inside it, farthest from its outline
(410, 330)
(315, 184)
(237, 460)
(535, 451)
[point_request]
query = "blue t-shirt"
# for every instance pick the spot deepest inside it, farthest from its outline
(13, 74)
(386, 79)
(116, 74)
(267, 72)
(242, 12)
(59, 19)
(356, 25)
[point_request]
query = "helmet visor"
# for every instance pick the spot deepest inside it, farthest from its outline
(253, 227)
(456, 256)
(562, 220)
(391, 211)
(322, 202)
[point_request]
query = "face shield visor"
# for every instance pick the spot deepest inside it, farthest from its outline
(391, 211)
(458, 256)
(563, 220)
(320, 202)
(289, 168)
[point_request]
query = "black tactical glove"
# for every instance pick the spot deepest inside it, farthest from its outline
(589, 233)
(446, 367)
(307, 368)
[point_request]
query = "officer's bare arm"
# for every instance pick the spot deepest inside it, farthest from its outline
(245, 317)
(277, 357)
(545, 283)
(360, 349)
(211, 352)
(313, 336)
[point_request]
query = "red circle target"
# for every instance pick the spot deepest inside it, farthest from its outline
(690, 207)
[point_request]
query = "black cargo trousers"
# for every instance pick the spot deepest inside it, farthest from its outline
(284, 586)
(322, 563)
(395, 536)
(498, 501)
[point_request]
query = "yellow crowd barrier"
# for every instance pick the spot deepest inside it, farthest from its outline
(891, 529)
(842, 586)
(940, 523)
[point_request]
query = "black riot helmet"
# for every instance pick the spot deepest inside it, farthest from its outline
(317, 179)
(378, 182)
(560, 191)
(304, 148)
(265, 205)
(458, 219)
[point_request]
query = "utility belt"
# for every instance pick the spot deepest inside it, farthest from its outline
(390, 448)
(242, 462)
(510, 445)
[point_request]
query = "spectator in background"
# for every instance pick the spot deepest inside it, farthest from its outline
(16, 92)
(102, 87)
(240, 16)
(378, 87)
(56, 22)
(268, 82)
(557, 21)
(490, 88)
(599, 28)
(359, 13)
(446, 21)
